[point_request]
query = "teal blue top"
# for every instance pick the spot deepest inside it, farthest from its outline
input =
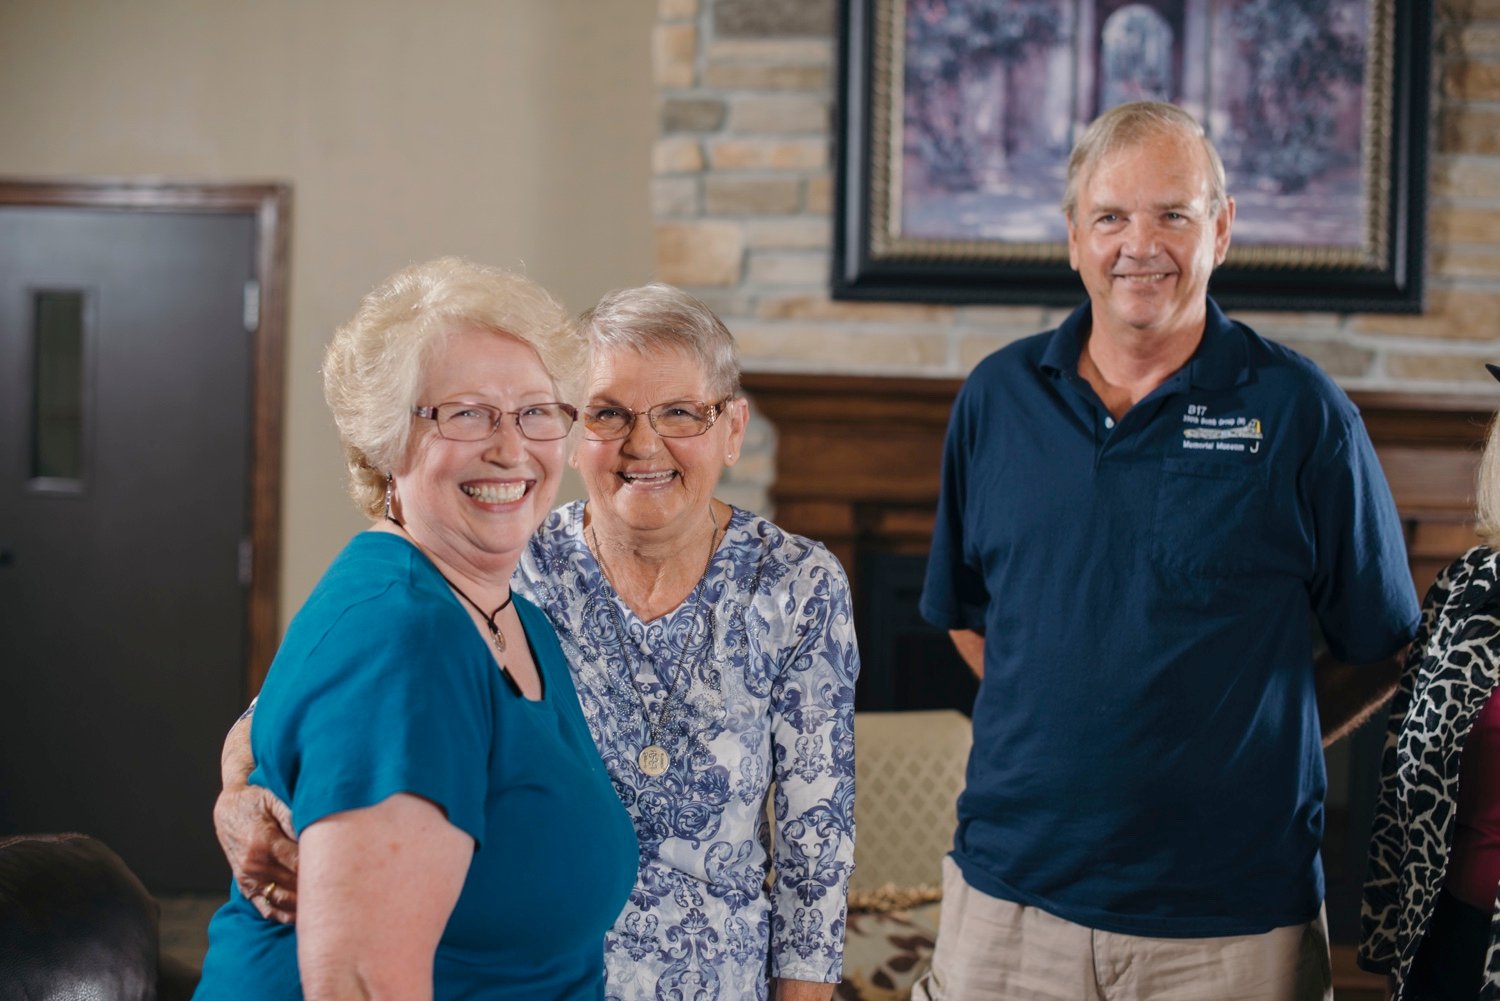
(383, 685)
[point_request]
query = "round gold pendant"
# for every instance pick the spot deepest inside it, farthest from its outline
(653, 760)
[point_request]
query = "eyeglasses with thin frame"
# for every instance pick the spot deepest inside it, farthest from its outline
(477, 421)
(677, 419)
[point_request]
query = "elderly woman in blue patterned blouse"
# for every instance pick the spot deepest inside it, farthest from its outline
(715, 659)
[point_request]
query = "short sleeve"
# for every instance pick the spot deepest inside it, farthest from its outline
(381, 696)
(954, 594)
(1362, 591)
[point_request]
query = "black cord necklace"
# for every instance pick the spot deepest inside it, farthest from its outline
(496, 635)
(489, 617)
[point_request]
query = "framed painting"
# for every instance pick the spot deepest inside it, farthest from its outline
(955, 120)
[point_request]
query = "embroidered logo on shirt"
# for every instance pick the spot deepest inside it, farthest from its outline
(1220, 434)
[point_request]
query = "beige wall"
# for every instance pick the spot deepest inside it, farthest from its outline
(512, 131)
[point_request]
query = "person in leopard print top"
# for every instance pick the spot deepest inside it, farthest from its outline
(1431, 917)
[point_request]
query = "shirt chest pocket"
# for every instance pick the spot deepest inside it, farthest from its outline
(1213, 518)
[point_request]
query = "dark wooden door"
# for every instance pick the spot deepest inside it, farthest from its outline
(126, 363)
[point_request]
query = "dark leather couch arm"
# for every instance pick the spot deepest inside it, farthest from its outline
(75, 922)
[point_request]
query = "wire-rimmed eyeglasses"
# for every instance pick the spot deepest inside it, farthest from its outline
(677, 419)
(477, 421)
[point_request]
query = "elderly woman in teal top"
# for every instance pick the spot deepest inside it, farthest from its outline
(458, 836)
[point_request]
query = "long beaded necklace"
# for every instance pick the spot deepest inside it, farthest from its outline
(653, 759)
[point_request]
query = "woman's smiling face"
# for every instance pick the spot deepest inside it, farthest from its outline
(476, 503)
(645, 485)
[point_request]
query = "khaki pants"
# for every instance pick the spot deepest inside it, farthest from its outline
(996, 950)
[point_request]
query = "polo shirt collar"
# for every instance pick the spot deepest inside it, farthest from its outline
(1218, 363)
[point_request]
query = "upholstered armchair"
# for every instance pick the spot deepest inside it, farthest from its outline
(909, 770)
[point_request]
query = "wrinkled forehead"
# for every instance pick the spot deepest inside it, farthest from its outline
(1162, 158)
(621, 371)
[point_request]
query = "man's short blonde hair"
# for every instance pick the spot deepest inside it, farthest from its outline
(1129, 125)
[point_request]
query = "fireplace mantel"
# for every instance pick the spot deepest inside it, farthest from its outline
(858, 460)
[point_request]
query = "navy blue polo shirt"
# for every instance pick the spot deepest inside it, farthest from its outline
(1147, 756)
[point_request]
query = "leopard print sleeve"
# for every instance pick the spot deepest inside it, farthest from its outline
(1380, 911)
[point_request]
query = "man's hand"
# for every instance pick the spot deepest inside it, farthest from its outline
(255, 830)
(256, 833)
(970, 646)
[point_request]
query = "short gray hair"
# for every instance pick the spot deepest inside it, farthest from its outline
(657, 316)
(1129, 125)
(373, 368)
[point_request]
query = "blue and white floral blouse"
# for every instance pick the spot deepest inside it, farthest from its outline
(769, 699)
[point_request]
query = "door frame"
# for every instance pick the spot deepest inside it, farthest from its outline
(270, 204)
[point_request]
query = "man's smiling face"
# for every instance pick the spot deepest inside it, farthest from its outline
(1144, 235)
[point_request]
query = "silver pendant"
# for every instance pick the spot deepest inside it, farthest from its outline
(653, 760)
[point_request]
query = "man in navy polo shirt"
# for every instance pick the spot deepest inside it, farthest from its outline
(1144, 514)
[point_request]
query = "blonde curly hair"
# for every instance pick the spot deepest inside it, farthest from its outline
(373, 368)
